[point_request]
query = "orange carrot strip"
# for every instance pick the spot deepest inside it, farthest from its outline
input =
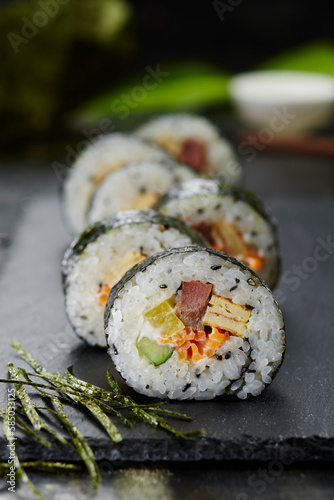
(253, 260)
(216, 246)
(196, 345)
(103, 293)
(195, 355)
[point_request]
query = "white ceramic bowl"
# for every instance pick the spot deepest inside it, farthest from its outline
(290, 101)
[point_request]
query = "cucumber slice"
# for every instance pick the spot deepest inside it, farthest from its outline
(156, 353)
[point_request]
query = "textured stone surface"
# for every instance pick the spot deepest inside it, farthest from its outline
(292, 419)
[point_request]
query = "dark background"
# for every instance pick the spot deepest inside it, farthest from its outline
(251, 32)
(36, 100)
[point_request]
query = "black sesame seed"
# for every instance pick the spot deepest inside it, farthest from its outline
(218, 207)
(143, 190)
(237, 280)
(253, 233)
(147, 386)
(163, 286)
(215, 268)
(114, 349)
(100, 284)
(186, 387)
(141, 248)
(91, 332)
(238, 217)
(233, 288)
(143, 270)
(200, 210)
(219, 357)
(251, 282)
(169, 271)
(228, 355)
(198, 375)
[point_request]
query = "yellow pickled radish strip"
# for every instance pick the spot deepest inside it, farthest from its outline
(162, 318)
(167, 142)
(117, 272)
(229, 237)
(142, 201)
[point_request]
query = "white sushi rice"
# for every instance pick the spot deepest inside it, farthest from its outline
(251, 362)
(120, 188)
(220, 157)
(255, 229)
(106, 154)
(93, 266)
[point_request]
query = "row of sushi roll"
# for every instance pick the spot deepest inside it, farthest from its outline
(172, 265)
(173, 141)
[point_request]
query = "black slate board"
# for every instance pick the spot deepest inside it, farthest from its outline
(292, 419)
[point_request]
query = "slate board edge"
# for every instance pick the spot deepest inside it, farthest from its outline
(246, 448)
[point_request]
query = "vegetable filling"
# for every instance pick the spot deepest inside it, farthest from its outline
(118, 271)
(227, 238)
(194, 345)
(190, 151)
(143, 201)
(199, 324)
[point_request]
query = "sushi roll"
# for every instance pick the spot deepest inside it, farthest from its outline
(137, 185)
(194, 323)
(231, 219)
(106, 154)
(101, 255)
(195, 141)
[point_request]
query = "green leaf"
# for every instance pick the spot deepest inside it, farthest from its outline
(188, 86)
(317, 56)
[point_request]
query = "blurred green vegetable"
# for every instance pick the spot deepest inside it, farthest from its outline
(53, 55)
(316, 56)
(182, 86)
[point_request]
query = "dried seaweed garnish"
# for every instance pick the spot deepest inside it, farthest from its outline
(113, 384)
(27, 404)
(83, 448)
(39, 465)
(93, 406)
(21, 474)
(25, 428)
(67, 389)
(55, 434)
